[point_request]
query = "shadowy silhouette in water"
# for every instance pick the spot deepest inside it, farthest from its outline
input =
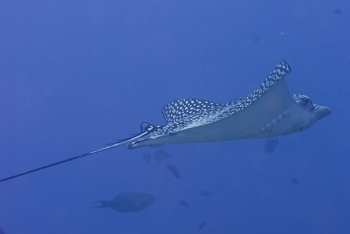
(128, 202)
(338, 11)
(184, 203)
(161, 155)
(174, 171)
(147, 158)
(295, 181)
(201, 225)
(204, 193)
(270, 145)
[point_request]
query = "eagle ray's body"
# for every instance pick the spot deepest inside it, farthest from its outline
(270, 111)
(243, 123)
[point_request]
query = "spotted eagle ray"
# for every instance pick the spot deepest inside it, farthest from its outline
(269, 111)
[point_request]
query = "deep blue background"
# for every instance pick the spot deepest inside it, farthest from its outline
(76, 75)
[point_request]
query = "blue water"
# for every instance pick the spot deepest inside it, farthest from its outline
(75, 75)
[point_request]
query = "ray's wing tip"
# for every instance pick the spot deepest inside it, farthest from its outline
(283, 65)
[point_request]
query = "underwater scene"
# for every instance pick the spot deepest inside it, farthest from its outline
(156, 117)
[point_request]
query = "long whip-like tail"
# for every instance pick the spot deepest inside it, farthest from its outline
(64, 161)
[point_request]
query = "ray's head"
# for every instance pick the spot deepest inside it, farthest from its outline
(309, 112)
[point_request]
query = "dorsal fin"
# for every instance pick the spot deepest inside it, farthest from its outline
(183, 108)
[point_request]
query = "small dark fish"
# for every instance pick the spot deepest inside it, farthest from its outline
(129, 202)
(174, 171)
(270, 145)
(182, 202)
(161, 155)
(295, 181)
(338, 11)
(204, 193)
(201, 225)
(147, 158)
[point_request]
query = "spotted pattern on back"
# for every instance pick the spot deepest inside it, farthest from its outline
(280, 71)
(179, 118)
(179, 110)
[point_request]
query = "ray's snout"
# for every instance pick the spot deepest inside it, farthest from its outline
(322, 111)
